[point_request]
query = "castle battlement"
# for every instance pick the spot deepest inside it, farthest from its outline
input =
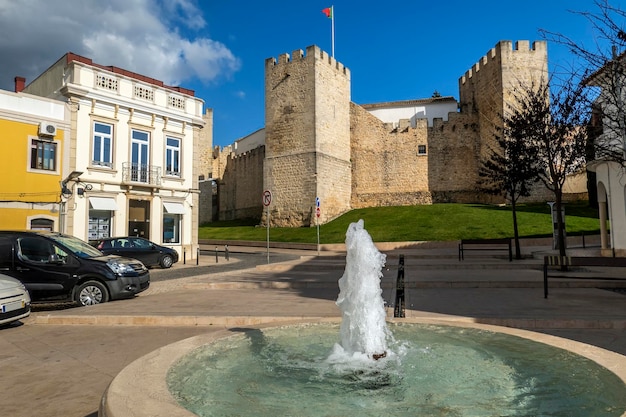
(312, 52)
(404, 125)
(497, 52)
(252, 153)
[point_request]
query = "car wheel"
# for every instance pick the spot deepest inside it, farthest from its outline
(90, 293)
(166, 261)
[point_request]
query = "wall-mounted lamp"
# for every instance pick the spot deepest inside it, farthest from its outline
(73, 176)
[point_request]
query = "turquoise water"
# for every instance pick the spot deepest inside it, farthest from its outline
(437, 371)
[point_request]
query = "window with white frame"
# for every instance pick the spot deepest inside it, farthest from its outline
(421, 149)
(43, 155)
(172, 156)
(102, 144)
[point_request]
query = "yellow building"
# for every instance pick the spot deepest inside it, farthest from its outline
(33, 160)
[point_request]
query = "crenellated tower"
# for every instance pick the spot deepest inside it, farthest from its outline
(307, 142)
(487, 87)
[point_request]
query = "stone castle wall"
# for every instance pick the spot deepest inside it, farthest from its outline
(453, 154)
(239, 183)
(319, 144)
(386, 167)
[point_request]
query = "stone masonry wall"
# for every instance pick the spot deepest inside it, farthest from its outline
(307, 136)
(453, 159)
(240, 186)
(386, 167)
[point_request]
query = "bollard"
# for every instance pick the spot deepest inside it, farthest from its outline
(198, 256)
(583, 233)
(399, 304)
(226, 252)
(216, 259)
(184, 256)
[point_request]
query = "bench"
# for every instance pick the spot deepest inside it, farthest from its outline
(485, 245)
(567, 261)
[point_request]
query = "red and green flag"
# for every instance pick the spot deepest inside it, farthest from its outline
(329, 14)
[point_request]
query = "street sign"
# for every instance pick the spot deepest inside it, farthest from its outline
(267, 197)
(318, 212)
(317, 201)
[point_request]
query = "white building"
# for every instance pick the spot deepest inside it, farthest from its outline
(412, 110)
(610, 106)
(134, 153)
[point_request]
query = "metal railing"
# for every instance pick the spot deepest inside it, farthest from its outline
(399, 310)
(139, 173)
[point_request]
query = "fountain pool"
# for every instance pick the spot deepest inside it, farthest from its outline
(434, 371)
(366, 365)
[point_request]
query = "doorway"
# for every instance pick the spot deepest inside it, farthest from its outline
(139, 218)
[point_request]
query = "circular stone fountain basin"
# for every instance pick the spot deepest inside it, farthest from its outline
(437, 367)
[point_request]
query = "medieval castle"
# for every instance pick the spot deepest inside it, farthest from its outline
(317, 144)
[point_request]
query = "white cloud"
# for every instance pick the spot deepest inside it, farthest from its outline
(155, 38)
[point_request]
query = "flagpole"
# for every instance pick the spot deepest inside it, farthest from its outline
(332, 31)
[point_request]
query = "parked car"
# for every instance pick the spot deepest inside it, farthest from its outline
(55, 266)
(14, 300)
(146, 251)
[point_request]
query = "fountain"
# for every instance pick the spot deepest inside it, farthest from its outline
(364, 325)
(408, 367)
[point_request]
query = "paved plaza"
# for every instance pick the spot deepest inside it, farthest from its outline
(59, 361)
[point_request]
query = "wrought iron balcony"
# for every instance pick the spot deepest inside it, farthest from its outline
(141, 174)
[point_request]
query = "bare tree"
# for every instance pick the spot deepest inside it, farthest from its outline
(557, 130)
(601, 67)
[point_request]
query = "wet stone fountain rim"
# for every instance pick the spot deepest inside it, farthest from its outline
(141, 389)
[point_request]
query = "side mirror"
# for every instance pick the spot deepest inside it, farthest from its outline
(54, 259)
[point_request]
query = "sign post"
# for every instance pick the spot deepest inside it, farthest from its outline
(267, 200)
(318, 212)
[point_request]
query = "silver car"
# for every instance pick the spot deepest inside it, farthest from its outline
(14, 300)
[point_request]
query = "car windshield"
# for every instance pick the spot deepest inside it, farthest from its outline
(78, 247)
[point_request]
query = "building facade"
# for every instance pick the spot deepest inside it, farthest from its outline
(34, 136)
(610, 163)
(133, 156)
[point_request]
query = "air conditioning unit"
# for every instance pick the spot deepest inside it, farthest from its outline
(47, 129)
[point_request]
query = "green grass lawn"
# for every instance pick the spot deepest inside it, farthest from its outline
(437, 222)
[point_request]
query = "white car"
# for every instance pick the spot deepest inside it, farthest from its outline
(14, 300)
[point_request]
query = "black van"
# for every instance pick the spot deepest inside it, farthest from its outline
(58, 267)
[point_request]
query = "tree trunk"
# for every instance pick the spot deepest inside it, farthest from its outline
(560, 226)
(518, 251)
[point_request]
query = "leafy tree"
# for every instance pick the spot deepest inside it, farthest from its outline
(510, 167)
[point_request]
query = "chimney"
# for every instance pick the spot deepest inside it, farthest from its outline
(19, 84)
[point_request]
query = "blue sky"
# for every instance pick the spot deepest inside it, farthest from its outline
(395, 50)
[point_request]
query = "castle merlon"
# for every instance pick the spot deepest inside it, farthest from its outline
(522, 46)
(312, 52)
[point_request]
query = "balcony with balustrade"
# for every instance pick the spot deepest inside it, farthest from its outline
(134, 174)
